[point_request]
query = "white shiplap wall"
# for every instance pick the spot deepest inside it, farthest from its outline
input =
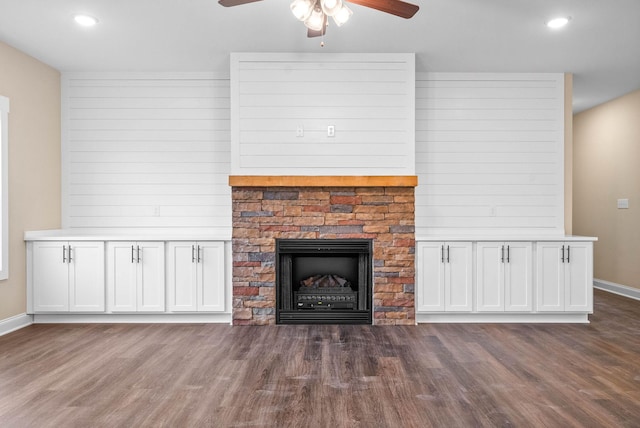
(369, 98)
(146, 150)
(489, 154)
(153, 149)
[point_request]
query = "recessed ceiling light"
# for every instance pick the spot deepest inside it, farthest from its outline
(85, 20)
(558, 22)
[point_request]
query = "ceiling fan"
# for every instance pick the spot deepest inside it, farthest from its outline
(314, 13)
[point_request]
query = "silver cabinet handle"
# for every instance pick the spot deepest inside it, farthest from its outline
(502, 254)
(442, 253)
(198, 253)
(133, 260)
(448, 255)
(193, 254)
(64, 254)
(568, 253)
(138, 251)
(562, 257)
(508, 254)
(69, 259)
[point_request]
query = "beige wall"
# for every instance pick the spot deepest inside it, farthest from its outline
(606, 168)
(33, 89)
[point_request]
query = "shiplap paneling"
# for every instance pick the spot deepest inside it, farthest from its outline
(368, 98)
(146, 150)
(489, 153)
(153, 150)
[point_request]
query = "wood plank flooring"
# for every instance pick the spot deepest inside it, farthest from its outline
(453, 375)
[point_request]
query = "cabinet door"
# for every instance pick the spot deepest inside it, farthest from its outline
(121, 277)
(549, 277)
(86, 277)
(150, 276)
(210, 261)
(578, 277)
(490, 277)
(50, 277)
(458, 276)
(181, 276)
(518, 295)
(430, 270)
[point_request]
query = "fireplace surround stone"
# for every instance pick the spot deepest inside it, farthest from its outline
(381, 213)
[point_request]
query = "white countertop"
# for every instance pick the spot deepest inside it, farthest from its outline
(224, 234)
(137, 234)
(478, 238)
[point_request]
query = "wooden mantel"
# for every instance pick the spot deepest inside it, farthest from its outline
(323, 181)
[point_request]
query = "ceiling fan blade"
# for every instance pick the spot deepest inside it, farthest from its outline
(230, 3)
(314, 33)
(394, 7)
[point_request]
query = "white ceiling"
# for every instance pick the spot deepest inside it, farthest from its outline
(601, 45)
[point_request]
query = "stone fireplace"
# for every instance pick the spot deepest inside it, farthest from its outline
(379, 209)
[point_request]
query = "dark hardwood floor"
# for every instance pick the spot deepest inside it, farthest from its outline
(442, 375)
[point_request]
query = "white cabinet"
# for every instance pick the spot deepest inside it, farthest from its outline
(67, 276)
(445, 276)
(504, 277)
(564, 276)
(135, 277)
(195, 275)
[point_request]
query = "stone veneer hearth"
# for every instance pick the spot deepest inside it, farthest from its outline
(384, 214)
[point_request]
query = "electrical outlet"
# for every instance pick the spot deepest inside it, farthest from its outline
(299, 131)
(331, 131)
(623, 204)
(156, 211)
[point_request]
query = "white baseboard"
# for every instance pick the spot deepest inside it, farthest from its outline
(575, 318)
(15, 323)
(203, 318)
(612, 287)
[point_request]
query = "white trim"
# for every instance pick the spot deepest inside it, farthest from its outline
(130, 234)
(15, 323)
(199, 318)
(4, 187)
(431, 75)
(576, 318)
(144, 75)
(493, 237)
(64, 148)
(619, 289)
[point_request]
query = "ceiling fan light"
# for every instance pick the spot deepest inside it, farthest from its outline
(342, 15)
(558, 22)
(315, 21)
(85, 20)
(302, 9)
(330, 7)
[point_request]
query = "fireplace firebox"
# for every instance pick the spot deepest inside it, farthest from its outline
(324, 281)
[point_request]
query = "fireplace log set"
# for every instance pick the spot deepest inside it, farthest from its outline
(325, 281)
(325, 292)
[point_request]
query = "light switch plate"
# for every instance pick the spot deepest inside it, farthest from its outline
(623, 203)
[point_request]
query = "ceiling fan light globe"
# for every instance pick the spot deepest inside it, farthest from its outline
(85, 20)
(558, 22)
(330, 7)
(315, 20)
(342, 15)
(302, 9)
